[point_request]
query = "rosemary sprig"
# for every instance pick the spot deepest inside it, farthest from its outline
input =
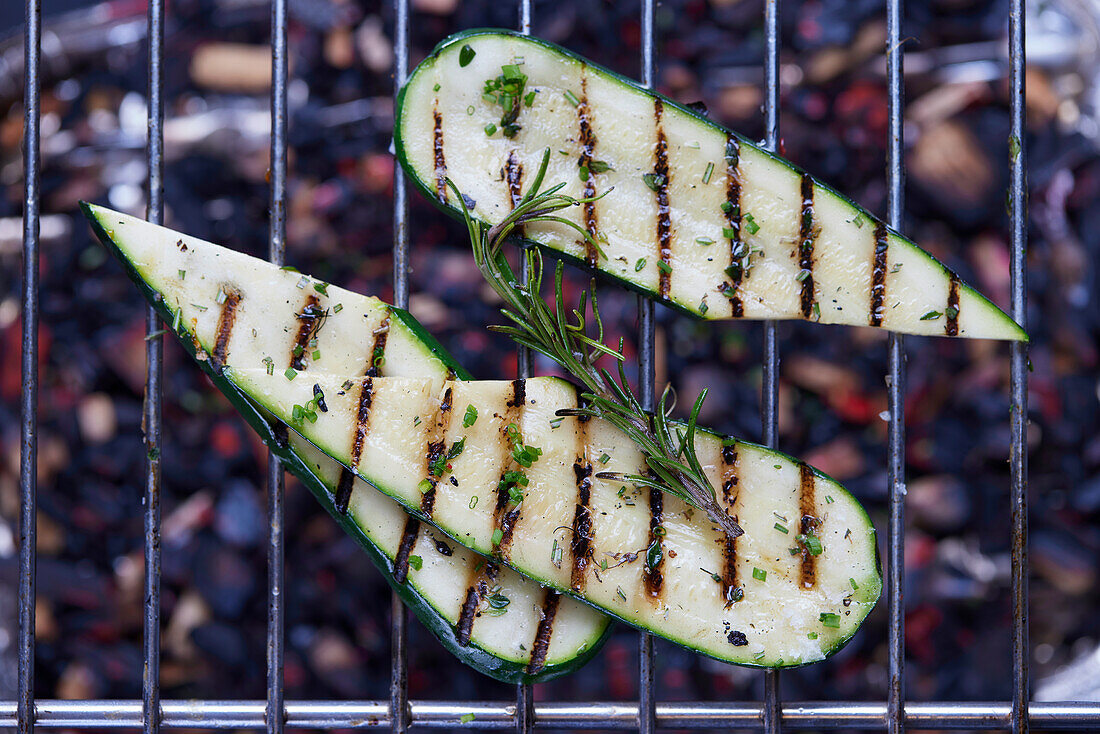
(669, 448)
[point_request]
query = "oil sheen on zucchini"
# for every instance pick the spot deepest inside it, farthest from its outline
(697, 216)
(790, 591)
(235, 311)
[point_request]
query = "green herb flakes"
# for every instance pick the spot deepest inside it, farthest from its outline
(490, 129)
(704, 241)
(828, 619)
(466, 718)
(654, 181)
(473, 502)
(471, 416)
(604, 458)
(708, 172)
(931, 316)
(269, 363)
(498, 535)
(416, 562)
(466, 55)
(639, 265)
(781, 529)
(425, 486)
(664, 267)
(290, 373)
(321, 288)
(751, 225)
(572, 98)
(759, 574)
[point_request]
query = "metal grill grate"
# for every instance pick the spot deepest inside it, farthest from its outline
(398, 712)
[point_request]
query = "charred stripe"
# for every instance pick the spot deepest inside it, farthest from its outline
(951, 328)
(226, 319)
(544, 632)
(362, 418)
(588, 149)
(738, 250)
(513, 172)
(377, 357)
(343, 490)
(309, 322)
(440, 161)
(730, 481)
(664, 218)
(878, 275)
(807, 234)
(436, 448)
(408, 540)
(809, 523)
(654, 578)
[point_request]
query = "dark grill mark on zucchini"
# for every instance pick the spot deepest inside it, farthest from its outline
(408, 541)
(437, 445)
(654, 579)
(951, 328)
(519, 394)
(730, 481)
(309, 320)
(226, 319)
(664, 219)
(440, 161)
(878, 275)
(738, 251)
(506, 518)
(362, 418)
(513, 172)
(544, 632)
(478, 586)
(343, 491)
(581, 542)
(377, 357)
(588, 149)
(806, 235)
(808, 525)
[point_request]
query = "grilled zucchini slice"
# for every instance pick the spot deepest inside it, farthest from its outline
(696, 215)
(790, 591)
(235, 311)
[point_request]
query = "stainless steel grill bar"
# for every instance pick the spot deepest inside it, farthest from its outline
(1018, 408)
(399, 656)
(28, 416)
(55, 714)
(154, 351)
(276, 479)
(769, 389)
(646, 387)
(895, 384)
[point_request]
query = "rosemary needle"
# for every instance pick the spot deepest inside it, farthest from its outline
(562, 336)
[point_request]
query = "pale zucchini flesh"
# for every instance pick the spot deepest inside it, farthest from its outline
(763, 599)
(242, 312)
(696, 216)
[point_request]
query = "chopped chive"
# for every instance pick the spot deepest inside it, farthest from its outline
(812, 635)
(302, 282)
(270, 364)
(727, 206)
(338, 308)
(321, 288)
(490, 129)
(297, 350)
(829, 619)
(855, 586)
(758, 655)
(424, 486)
(466, 718)
(812, 543)
(289, 268)
(316, 354)
(729, 232)
(470, 110)
(556, 422)
(529, 98)
(639, 265)
(416, 420)
(498, 535)
(777, 466)
(416, 562)
(951, 312)
(931, 316)
(604, 458)
(664, 267)
(347, 385)
(556, 554)
(466, 55)
(220, 298)
(817, 310)
(709, 171)
(1013, 147)
(751, 225)
(619, 591)
(435, 88)
(781, 529)
(473, 502)
(572, 98)
(471, 416)
(858, 220)
(654, 181)
(603, 564)
(759, 574)
(703, 307)
(729, 441)
(182, 274)
(290, 373)
(704, 241)
(829, 499)
(802, 275)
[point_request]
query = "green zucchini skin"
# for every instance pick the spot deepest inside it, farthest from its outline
(372, 428)
(274, 433)
(828, 261)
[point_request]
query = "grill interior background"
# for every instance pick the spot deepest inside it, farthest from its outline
(398, 712)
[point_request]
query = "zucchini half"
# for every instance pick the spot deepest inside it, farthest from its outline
(233, 311)
(696, 215)
(790, 591)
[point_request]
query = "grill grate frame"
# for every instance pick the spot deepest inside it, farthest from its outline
(398, 713)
